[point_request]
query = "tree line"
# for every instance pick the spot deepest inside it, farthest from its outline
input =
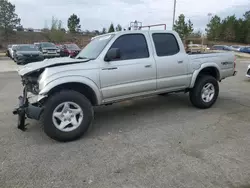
(230, 29)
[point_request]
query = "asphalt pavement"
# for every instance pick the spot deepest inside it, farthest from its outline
(152, 142)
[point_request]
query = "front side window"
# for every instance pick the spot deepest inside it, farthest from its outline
(131, 46)
(165, 44)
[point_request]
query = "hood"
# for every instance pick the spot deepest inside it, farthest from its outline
(48, 63)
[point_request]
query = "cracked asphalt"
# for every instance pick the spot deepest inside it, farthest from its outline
(151, 142)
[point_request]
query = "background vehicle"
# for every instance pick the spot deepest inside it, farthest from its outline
(11, 50)
(48, 49)
(245, 49)
(195, 48)
(8, 50)
(27, 53)
(221, 47)
(236, 48)
(116, 67)
(70, 49)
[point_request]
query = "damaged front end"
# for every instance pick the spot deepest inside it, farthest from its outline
(29, 107)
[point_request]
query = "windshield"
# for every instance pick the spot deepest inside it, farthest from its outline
(72, 46)
(48, 45)
(26, 48)
(95, 47)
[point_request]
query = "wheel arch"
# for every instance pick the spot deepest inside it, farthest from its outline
(211, 69)
(82, 85)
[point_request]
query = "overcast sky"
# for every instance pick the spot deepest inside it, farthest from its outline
(96, 14)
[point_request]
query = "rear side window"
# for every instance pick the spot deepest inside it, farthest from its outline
(165, 44)
(132, 46)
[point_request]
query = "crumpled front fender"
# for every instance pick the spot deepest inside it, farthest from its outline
(72, 79)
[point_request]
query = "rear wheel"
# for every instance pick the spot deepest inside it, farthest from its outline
(67, 116)
(205, 92)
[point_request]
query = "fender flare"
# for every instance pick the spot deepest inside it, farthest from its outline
(76, 79)
(205, 65)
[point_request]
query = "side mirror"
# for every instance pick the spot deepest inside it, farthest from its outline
(112, 54)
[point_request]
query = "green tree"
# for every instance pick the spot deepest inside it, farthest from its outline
(104, 30)
(246, 27)
(182, 28)
(118, 27)
(8, 18)
(214, 28)
(56, 24)
(111, 28)
(73, 23)
(56, 32)
(196, 34)
(229, 29)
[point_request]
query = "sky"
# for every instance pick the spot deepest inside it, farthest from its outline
(96, 14)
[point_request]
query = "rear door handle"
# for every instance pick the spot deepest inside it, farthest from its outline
(148, 66)
(180, 61)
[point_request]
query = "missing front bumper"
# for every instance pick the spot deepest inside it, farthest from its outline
(25, 109)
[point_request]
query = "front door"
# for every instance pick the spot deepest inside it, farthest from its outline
(131, 74)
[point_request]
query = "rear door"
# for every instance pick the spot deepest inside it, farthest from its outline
(133, 73)
(171, 62)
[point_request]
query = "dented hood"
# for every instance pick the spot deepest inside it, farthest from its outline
(31, 67)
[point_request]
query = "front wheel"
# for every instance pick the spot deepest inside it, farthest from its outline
(67, 116)
(205, 92)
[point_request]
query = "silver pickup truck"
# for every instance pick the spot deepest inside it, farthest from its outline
(115, 67)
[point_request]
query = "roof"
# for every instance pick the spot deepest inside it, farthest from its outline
(135, 31)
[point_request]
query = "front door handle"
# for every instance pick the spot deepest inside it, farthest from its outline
(148, 66)
(110, 68)
(180, 61)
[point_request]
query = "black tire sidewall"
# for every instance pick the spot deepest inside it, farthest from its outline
(67, 96)
(195, 93)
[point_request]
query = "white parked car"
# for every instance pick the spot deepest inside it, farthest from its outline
(236, 48)
(112, 68)
(11, 50)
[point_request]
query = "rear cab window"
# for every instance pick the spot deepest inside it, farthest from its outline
(165, 44)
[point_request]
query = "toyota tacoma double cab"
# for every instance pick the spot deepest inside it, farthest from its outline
(115, 67)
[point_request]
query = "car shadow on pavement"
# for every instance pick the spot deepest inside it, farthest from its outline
(131, 114)
(127, 115)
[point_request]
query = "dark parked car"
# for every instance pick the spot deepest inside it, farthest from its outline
(245, 49)
(48, 49)
(70, 49)
(221, 47)
(26, 53)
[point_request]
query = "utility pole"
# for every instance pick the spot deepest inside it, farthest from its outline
(174, 14)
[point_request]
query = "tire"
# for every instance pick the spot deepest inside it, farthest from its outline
(67, 96)
(196, 97)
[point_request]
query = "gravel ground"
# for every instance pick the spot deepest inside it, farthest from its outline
(152, 142)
